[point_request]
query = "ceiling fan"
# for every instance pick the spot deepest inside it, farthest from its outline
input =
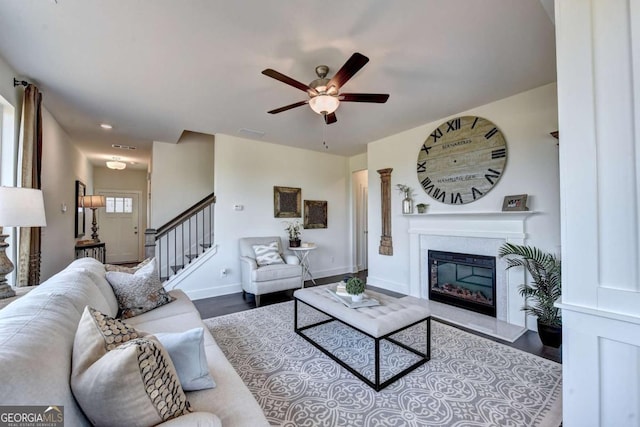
(324, 94)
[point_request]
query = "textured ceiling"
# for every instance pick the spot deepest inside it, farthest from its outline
(155, 68)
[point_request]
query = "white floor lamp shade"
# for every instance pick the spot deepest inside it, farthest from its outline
(19, 207)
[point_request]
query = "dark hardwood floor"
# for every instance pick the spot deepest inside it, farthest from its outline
(227, 304)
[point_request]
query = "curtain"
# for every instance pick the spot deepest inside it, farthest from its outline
(31, 155)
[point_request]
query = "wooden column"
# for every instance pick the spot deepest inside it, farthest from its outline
(386, 244)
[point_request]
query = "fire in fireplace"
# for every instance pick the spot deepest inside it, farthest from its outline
(464, 280)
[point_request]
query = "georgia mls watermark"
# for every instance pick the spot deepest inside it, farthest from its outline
(31, 416)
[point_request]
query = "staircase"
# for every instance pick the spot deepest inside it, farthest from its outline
(183, 239)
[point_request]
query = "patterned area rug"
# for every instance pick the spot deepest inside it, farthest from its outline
(469, 381)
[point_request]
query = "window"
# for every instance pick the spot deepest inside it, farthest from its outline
(8, 148)
(119, 204)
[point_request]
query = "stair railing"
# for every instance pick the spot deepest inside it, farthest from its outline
(181, 240)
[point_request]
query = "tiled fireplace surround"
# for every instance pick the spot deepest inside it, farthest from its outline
(480, 233)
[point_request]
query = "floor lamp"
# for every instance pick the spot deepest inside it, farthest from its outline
(93, 203)
(19, 207)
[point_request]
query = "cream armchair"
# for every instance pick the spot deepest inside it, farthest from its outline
(260, 280)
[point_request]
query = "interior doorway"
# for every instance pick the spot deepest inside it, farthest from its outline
(360, 220)
(119, 225)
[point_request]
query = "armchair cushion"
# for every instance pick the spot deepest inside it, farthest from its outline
(275, 272)
(267, 254)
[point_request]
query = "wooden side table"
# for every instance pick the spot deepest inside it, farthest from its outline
(93, 250)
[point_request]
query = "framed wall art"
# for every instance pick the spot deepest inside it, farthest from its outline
(315, 214)
(517, 202)
(81, 190)
(287, 202)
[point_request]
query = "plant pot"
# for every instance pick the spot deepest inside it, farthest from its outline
(357, 298)
(421, 209)
(294, 243)
(550, 335)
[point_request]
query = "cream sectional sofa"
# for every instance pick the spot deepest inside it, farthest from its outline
(36, 341)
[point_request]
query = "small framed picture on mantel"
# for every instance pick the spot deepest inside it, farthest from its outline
(516, 202)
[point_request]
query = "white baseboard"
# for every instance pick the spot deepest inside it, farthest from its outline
(209, 292)
(400, 287)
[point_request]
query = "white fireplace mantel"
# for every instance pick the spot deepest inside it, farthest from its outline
(470, 232)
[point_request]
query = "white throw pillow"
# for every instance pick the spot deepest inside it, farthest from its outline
(121, 377)
(267, 254)
(186, 350)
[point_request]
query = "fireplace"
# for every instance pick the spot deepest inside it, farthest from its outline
(463, 280)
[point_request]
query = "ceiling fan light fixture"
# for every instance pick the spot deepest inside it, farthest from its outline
(324, 104)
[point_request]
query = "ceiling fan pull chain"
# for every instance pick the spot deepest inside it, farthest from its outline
(324, 136)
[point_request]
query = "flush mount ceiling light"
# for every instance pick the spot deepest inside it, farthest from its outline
(116, 164)
(106, 126)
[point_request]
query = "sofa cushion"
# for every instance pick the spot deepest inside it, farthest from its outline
(36, 338)
(120, 377)
(186, 350)
(139, 292)
(130, 270)
(275, 272)
(267, 254)
(97, 274)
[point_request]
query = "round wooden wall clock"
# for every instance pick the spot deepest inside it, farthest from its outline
(462, 160)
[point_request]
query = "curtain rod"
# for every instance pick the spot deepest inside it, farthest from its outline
(17, 82)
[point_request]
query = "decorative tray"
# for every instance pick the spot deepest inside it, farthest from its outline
(366, 301)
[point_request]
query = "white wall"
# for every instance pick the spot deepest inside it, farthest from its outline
(598, 98)
(181, 175)
(245, 173)
(532, 168)
(62, 164)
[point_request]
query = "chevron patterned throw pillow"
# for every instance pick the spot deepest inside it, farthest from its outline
(267, 254)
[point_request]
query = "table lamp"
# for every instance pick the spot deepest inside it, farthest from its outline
(94, 202)
(19, 207)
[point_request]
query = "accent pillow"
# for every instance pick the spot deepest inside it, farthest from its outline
(130, 270)
(267, 254)
(186, 350)
(123, 377)
(139, 292)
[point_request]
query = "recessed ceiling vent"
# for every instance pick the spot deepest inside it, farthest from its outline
(124, 147)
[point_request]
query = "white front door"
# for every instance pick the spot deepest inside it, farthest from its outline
(119, 225)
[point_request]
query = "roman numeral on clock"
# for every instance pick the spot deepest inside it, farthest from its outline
(422, 166)
(476, 193)
(474, 122)
(491, 133)
(499, 153)
(436, 134)
(456, 198)
(427, 185)
(492, 174)
(453, 125)
(425, 148)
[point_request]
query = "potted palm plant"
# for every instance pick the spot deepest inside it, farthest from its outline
(545, 271)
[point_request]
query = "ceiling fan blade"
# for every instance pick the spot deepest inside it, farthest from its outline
(379, 98)
(287, 107)
(348, 70)
(288, 80)
(330, 118)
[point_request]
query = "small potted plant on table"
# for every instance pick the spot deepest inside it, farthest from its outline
(422, 207)
(355, 288)
(293, 228)
(545, 270)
